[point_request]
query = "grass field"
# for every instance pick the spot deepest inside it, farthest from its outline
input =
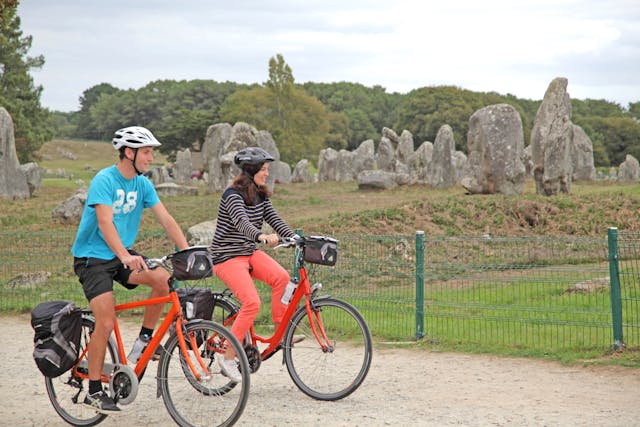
(340, 208)
(331, 207)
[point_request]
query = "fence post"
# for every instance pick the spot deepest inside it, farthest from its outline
(419, 284)
(614, 277)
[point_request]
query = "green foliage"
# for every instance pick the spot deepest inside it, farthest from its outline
(85, 126)
(619, 135)
(423, 111)
(18, 94)
(634, 110)
(177, 112)
(367, 109)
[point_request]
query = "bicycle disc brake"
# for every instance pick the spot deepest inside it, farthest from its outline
(123, 384)
(253, 355)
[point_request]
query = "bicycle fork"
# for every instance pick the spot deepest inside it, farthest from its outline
(315, 321)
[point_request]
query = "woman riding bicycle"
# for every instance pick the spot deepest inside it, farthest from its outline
(244, 207)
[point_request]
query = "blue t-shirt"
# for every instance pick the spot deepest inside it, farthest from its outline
(127, 198)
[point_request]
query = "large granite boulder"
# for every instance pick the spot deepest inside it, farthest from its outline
(551, 141)
(301, 172)
(13, 183)
(629, 170)
(582, 156)
(376, 180)
(365, 157)
(441, 173)
(183, 166)
(495, 142)
(33, 174)
(385, 157)
(327, 165)
(70, 211)
(419, 162)
(221, 144)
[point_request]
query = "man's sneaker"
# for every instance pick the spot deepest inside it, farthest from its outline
(101, 402)
(139, 346)
(229, 368)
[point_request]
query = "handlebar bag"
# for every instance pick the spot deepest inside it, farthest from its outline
(321, 250)
(192, 263)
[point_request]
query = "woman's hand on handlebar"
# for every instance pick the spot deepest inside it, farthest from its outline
(269, 239)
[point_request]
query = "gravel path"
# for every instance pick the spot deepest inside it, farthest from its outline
(404, 387)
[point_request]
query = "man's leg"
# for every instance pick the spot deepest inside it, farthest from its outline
(157, 280)
(102, 307)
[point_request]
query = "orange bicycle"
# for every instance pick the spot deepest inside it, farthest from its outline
(193, 389)
(334, 357)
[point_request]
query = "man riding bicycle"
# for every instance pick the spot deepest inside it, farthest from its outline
(102, 249)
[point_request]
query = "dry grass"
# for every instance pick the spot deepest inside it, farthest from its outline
(341, 208)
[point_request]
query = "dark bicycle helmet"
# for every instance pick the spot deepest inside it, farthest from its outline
(252, 156)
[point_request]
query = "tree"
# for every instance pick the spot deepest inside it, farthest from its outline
(298, 122)
(18, 94)
(85, 126)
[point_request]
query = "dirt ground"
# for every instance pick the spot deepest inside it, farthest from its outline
(404, 387)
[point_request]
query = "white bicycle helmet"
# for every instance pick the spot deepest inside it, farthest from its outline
(134, 137)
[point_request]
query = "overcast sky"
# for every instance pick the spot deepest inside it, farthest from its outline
(508, 46)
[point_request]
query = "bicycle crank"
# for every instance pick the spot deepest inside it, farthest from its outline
(123, 384)
(253, 355)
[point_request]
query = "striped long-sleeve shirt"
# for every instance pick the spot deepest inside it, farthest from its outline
(239, 225)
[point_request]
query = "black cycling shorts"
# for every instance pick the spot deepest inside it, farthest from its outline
(97, 275)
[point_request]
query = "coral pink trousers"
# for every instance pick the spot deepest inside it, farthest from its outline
(238, 274)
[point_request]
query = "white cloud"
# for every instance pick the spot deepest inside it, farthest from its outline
(494, 45)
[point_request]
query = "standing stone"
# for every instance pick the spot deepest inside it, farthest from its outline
(280, 173)
(442, 174)
(212, 149)
(301, 172)
(629, 170)
(390, 135)
(386, 155)
(13, 183)
(405, 147)
(495, 141)
(183, 166)
(420, 160)
(582, 156)
(327, 164)
(551, 141)
(344, 167)
(33, 174)
(365, 157)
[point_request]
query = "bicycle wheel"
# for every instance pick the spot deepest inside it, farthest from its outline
(212, 400)
(336, 372)
(66, 392)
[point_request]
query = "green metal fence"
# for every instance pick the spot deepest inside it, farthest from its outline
(512, 292)
(624, 253)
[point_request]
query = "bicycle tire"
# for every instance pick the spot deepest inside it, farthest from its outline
(323, 374)
(66, 391)
(209, 401)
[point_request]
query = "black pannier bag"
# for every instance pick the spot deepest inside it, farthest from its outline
(57, 326)
(321, 250)
(197, 303)
(192, 263)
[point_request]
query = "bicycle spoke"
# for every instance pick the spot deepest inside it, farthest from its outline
(212, 399)
(336, 371)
